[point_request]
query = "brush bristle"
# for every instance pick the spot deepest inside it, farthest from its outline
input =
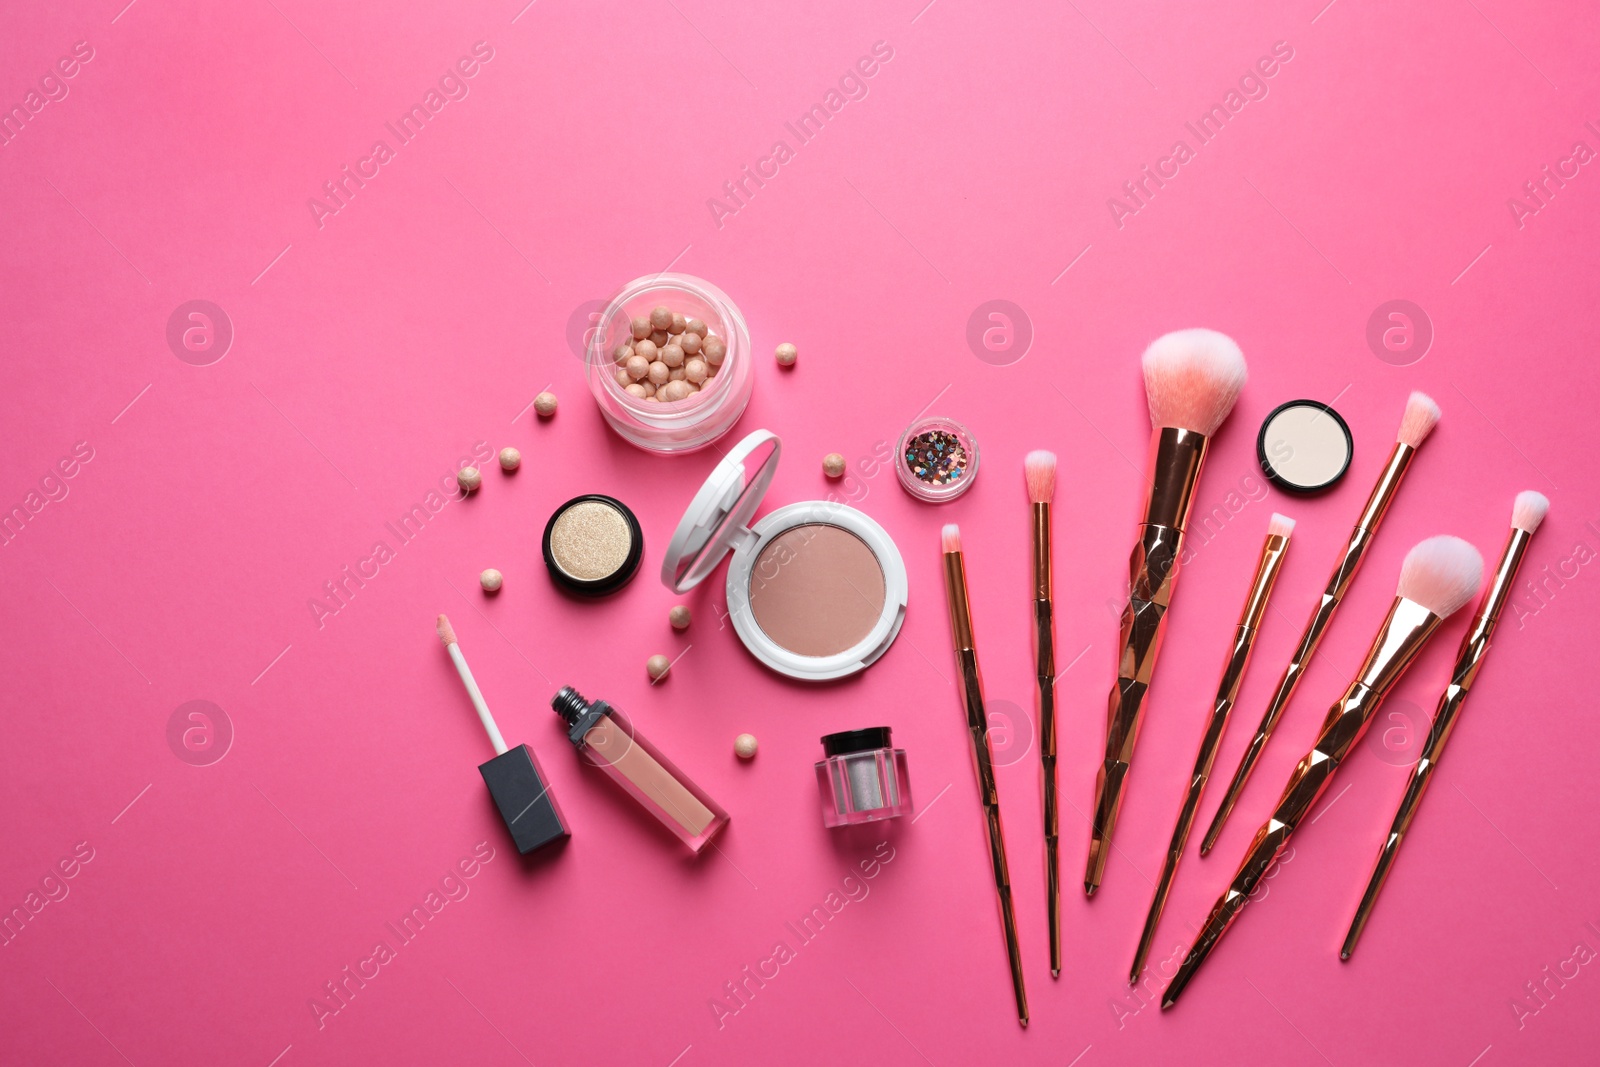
(1280, 525)
(1192, 378)
(1529, 510)
(447, 633)
(950, 538)
(1442, 574)
(1039, 468)
(1421, 416)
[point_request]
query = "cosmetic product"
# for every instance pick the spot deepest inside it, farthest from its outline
(624, 348)
(1279, 527)
(862, 777)
(1039, 475)
(815, 590)
(1192, 379)
(491, 580)
(970, 682)
(518, 785)
(1304, 447)
(937, 459)
(657, 667)
(678, 618)
(592, 545)
(510, 459)
(745, 745)
(1417, 422)
(1438, 577)
(1527, 512)
(545, 405)
(833, 465)
(786, 354)
(609, 740)
(469, 479)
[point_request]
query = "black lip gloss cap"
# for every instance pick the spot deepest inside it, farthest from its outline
(523, 796)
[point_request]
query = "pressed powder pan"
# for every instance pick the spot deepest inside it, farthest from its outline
(816, 590)
(1304, 447)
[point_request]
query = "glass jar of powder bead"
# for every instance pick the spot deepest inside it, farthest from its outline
(937, 459)
(669, 363)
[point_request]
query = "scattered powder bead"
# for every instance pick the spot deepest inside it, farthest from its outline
(638, 366)
(640, 328)
(745, 745)
(659, 372)
(690, 342)
(657, 667)
(491, 580)
(545, 404)
(660, 317)
(786, 354)
(469, 479)
(510, 459)
(696, 326)
(679, 616)
(647, 349)
(715, 349)
(833, 465)
(695, 370)
(679, 323)
(672, 355)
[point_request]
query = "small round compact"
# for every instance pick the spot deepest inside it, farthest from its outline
(1304, 447)
(937, 459)
(593, 545)
(816, 590)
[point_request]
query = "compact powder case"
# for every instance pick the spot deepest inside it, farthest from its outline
(1304, 447)
(816, 590)
(593, 545)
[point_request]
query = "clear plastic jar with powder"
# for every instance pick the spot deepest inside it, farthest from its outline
(863, 778)
(683, 425)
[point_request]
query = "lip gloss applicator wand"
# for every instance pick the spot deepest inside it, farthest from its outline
(1192, 379)
(971, 683)
(1437, 579)
(1527, 513)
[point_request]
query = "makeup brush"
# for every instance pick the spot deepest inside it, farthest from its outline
(1192, 378)
(971, 682)
(1420, 417)
(1039, 471)
(1279, 527)
(514, 777)
(1437, 579)
(1526, 514)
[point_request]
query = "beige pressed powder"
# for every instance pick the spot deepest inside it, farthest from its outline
(817, 590)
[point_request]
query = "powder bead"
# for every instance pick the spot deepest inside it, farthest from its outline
(469, 479)
(657, 667)
(491, 580)
(690, 343)
(786, 354)
(672, 355)
(696, 326)
(715, 349)
(510, 459)
(659, 337)
(623, 377)
(640, 328)
(744, 746)
(638, 366)
(660, 317)
(635, 389)
(679, 323)
(679, 616)
(659, 372)
(647, 349)
(545, 404)
(833, 465)
(695, 370)
(620, 354)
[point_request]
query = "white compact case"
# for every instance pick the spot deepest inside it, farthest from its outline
(816, 590)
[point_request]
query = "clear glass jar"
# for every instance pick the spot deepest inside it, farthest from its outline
(683, 425)
(863, 778)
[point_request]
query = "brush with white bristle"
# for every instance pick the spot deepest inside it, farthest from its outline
(1437, 579)
(1039, 473)
(1421, 415)
(969, 685)
(1270, 562)
(1527, 512)
(447, 634)
(1192, 379)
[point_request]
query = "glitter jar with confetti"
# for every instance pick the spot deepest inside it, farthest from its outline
(937, 459)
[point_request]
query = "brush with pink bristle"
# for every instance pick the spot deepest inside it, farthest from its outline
(1527, 512)
(1192, 379)
(1039, 474)
(1416, 423)
(1437, 579)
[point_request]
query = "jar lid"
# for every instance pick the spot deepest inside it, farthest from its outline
(720, 511)
(848, 741)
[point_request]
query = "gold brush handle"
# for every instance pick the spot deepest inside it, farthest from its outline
(1045, 658)
(1152, 569)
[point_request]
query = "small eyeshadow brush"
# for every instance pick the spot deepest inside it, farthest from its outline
(1039, 472)
(1526, 514)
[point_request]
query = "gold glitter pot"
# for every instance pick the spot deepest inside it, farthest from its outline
(593, 545)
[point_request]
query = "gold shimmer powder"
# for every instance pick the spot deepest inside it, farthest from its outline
(590, 541)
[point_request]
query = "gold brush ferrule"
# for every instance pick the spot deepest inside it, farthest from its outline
(955, 585)
(1255, 605)
(1176, 456)
(1041, 551)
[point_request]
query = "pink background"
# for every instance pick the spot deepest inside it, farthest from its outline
(372, 353)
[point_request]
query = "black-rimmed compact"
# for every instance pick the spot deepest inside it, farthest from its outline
(592, 545)
(1304, 447)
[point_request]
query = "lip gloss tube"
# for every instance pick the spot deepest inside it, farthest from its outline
(609, 740)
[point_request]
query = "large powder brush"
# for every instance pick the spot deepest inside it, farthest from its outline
(1192, 379)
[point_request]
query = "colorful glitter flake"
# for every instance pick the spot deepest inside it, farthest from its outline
(936, 457)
